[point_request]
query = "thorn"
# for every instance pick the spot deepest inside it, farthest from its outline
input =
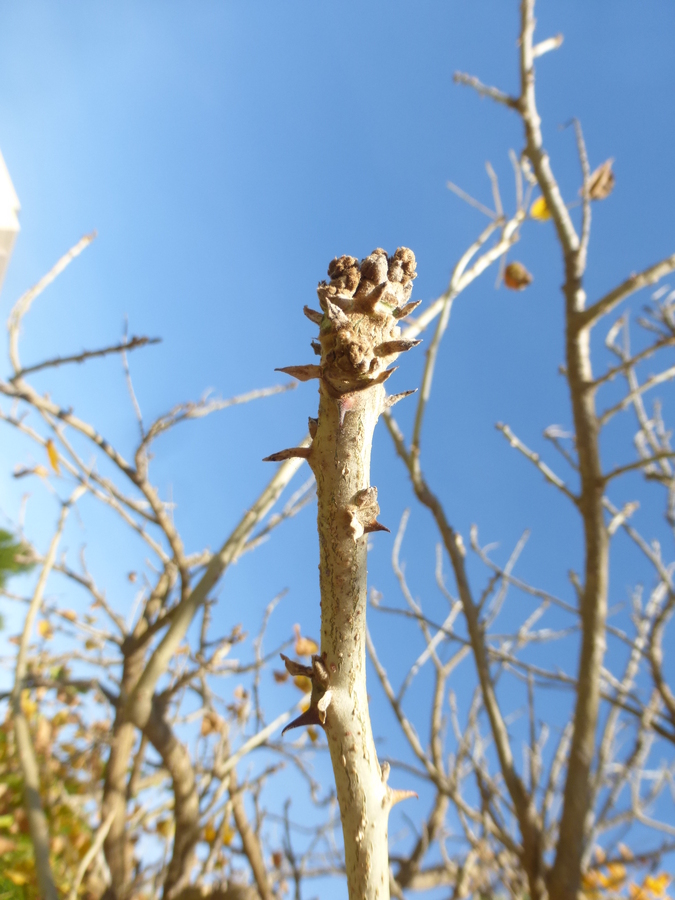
(406, 310)
(375, 526)
(368, 303)
(335, 314)
(313, 425)
(302, 373)
(396, 796)
(313, 315)
(392, 399)
(295, 668)
(316, 347)
(386, 769)
(383, 376)
(388, 348)
(291, 453)
(311, 717)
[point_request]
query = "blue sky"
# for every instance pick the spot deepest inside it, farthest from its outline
(225, 152)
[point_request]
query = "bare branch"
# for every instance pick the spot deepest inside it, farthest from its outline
(485, 90)
(23, 304)
(132, 344)
(548, 474)
(634, 283)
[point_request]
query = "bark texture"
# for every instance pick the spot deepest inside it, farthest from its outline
(358, 338)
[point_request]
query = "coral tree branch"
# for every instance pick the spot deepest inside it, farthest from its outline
(359, 338)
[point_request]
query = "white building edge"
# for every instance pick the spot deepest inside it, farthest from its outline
(9, 218)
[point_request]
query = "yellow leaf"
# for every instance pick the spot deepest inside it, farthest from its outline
(69, 614)
(304, 646)
(228, 835)
(313, 734)
(591, 880)
(616, 875)
(657, 885)
(539, 210)
(41, 471)
(164, 827)
(53, 455)
(45, 630)
(209, 834)
(15, 877)
(28, 705)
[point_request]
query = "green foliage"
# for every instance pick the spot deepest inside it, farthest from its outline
(70, 767)
(13, 556)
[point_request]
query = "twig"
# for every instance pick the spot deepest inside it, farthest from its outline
(470, 200)
(635, 282)
(133, 344)
(548, 474)
(23, 304)
(90, 854)
(130, 385)
(485, 90)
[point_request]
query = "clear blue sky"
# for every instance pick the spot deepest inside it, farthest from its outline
(226, 151)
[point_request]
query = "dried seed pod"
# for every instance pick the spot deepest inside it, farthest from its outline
(601, 182)
(516, 276)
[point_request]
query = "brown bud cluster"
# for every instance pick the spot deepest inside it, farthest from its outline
(361, 305)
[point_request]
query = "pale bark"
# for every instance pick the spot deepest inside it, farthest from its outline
(359, 337)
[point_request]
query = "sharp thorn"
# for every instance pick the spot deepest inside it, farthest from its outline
(382, 377)
(311, 717)
(291, 453)
(396, 796)
(316, 347)
(313, 315)
(388, 348)
(375, 526)
(369, 302)
(313, 425)
(302, 373)
(335, 314)
(392, 399)
(406, 310)
(295, 668)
